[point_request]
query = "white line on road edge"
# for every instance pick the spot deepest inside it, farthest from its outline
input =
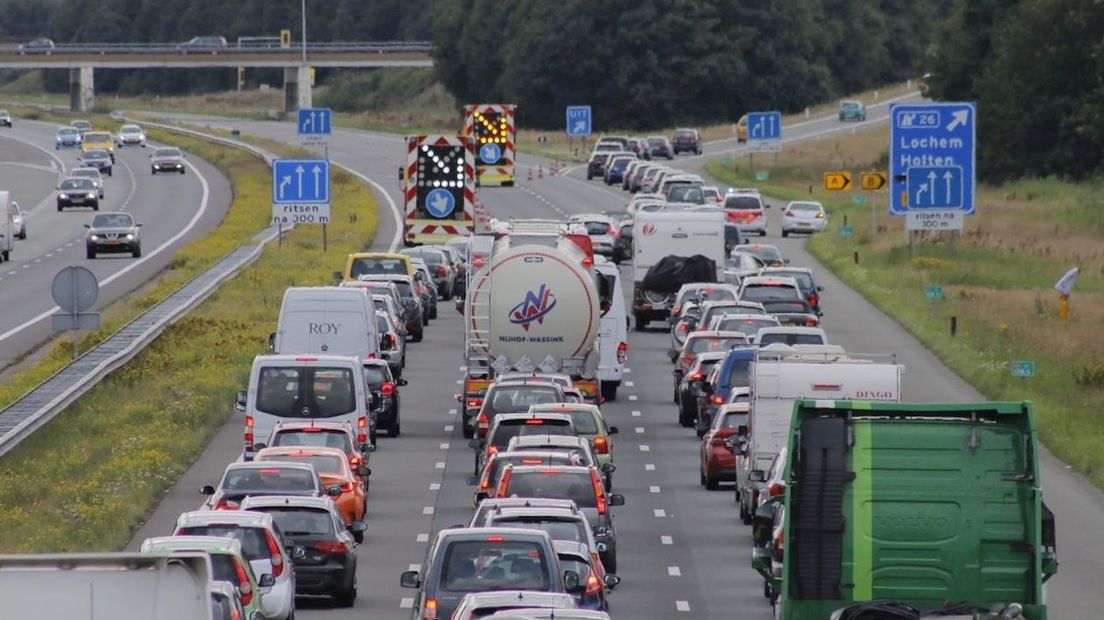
(444, 445)
(660, 513)
(423, 537)
(448, 428)
(406, 602)
(666, 540)
(434, 486)
(653, 489)
(682, 605)
(629, 384)
(452, 412)
(133, 265)
(674, 571)
(428, 510)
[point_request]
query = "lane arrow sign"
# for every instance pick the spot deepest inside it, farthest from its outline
(299, 178)
(960, 117)
(317, 170)
(947, 177)
(284, 182)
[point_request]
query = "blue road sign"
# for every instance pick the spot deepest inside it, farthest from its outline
(300, 181)
(440, 203)
(490, 153)
(578, 120)
(764, 126)
(315, 122)
(931, 157)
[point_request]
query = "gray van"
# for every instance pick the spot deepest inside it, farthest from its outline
(482, 559)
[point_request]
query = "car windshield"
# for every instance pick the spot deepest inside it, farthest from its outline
(375, 375)
(734, 420)
(366, 266)
(850, 105)
(317, 438)
(656, 141)
(704, 345)
(130, 129)
(597, 228)
(518, 399)
(766, 253)
(301, 521)
(222, 568)
(558, 529)
(774, 307)
(96, 154)
(97, 136)
(554, 484)
(743, 203)
(684, 192)
(323, 463)
(520, 428)
(769, 292)
(271, 480)
(494, 564)
(684, 134)
(85, 173)
(252, 539)
(68, 132)
(76, 184)
(112, 220)
(804, 280)
(584, 422)
(805, 206)
(166, 153)
(790, 339)
(747, 326)
(289, 391)
(712, 294)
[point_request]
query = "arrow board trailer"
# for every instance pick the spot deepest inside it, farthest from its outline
(780, 375)
(491, 127)
(119, 586)
(439, 189)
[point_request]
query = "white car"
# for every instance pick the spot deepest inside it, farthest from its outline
(89, 173)
(790, 335)
(131, 134)
(5, 118)
(802, 216)
(19, 221)
(745, 208)
(600, 229)
(770, 288)
(262, 545)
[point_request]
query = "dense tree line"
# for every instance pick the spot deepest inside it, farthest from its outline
(647, 63)
(1036, 70)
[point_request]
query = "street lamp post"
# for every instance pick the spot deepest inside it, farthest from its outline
(303, 13)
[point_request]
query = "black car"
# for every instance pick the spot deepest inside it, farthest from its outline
(78, 193)
(378, 377)
(686, 140)
(98, 159)
(113, 232)
(167, 160)
(596, 167)
(623, 243)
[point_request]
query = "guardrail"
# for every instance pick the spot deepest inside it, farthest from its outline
(381, 47)
(38, 406)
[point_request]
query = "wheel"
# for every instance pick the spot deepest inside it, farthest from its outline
(589, 175)
(639, 322)
(5, 255)
(609, 482)
(358, 537)
(467, 431)
(90, 253)
(181, 171)
(609, 390)
(108, 172)
(745, 514)
(418, 336)
(23, 235)
(372, 437)
(395, 431)
(686, 419)
(137, 252)
(711, 483)
(433, 313)
(785, 233)
(153, 171)
(763, 233)
(508, 183)
(610, 562)
(59, 208)
(701, 475)
(96, 207)
(345, 598)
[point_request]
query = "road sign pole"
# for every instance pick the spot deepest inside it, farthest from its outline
(279, 233)
(873, 214)
(751, 164)
(73, 312)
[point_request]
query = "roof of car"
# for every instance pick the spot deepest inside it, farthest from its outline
(716, 334)
(565, 441)
(548, 614)
(566, 469)
(267, 464)
(734, 408)
(299, 425)
(528, 502)
(531, 415)
(791, 329)
(210, 544)
(290, 501)
(306, 450)
(248, 518)
(557, 407)
(567, 511)
(502, 598)
(570, 547)
(481, 533)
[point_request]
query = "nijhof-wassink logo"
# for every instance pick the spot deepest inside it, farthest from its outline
(534, 307)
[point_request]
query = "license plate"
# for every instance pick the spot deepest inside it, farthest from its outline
(77, 200)
(113, 242)
(804, 224)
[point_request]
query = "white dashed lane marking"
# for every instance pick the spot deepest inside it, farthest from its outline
(639, 430)
(428, 510)
(649, 467)
(645, 447)
(674, 571)
(415, 567)
(666, 540)
(452, 412)
(439, 465)
(629, 384)
(682, 605)
(653, 489)
(444, 445)
(423, 537)
(434, 486)
(635, 414)
(448, 428)
(406, 602)
(632, 396)
(660, 513)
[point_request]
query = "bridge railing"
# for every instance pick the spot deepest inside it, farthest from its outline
(382, 47)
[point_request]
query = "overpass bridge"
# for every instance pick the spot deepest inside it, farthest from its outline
(82, 59)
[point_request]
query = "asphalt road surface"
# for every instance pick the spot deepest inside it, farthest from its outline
(682, 550)
(174, 210)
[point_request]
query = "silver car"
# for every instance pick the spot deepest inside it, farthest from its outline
(113, 232)
(5, 118)
(131, 134)
(19, 221)
(803, 216)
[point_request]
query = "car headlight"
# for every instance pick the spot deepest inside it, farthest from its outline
(91, 194)
(63, 196)
(130, 237)
(95, 237)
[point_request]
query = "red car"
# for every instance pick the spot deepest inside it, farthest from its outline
(718, 462)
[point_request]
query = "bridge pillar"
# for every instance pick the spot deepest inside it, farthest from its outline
(306, 88)
(297, 89)
(82, 89)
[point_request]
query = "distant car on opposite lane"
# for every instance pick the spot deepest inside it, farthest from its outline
(5, 118)
(852, 110)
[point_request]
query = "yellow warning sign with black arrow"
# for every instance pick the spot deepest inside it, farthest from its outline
(872, 181)
(837, 181)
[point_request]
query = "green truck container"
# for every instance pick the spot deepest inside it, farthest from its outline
(934, 506)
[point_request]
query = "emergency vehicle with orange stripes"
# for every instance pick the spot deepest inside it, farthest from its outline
(438, 189)
(491, 127)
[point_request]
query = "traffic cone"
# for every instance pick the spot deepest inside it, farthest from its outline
(540, 172)
(530, 177)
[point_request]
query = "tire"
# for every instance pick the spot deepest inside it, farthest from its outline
(345, 598)
(466, 430)
(90, 253)
(181, 171)
(395, 429)
(638, 322)
(685, 419)
(745, 514)
(418, 337)
(6, 256)
(59, 208)
(137, 252)
(153, 171)
(711, 482)
(22, 235)
(609, 390)
(701, 476)
(589, 175)
(785, 233)
(358, 537)
(96, 207)
(610, 562)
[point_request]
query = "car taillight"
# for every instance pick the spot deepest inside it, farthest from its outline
(274, 553)
(682, 327)
(813, 299)
(477, 262)
(484, 423)
(717, 399)
(613, 232)
(362, 430)
(248, 454)
(688, 359)
(227, 504)
(776, 489)
(348, 487)
(535, 421)
(812, 321)
(593, 586)
(504, 483)
(485, 481)
(601, 445)
(779, 545)
(441, 271)
(531, 461)
(354, 461)
(245, 589)
(430, 612)
(599, 491)
(388, 389)
(588, 262)
(331, 546)
(492, 450)
(788, 213)
(622, 352)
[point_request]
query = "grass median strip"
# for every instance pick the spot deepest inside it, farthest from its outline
(87, 479)
(996, 280)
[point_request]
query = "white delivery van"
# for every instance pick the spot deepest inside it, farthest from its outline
(119, 586)
(659, 234)
(302, 388)
(781, 374)
(328, 320)
(613, 330)
(7, 226)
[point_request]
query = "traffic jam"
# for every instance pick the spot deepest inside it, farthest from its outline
(816, 443)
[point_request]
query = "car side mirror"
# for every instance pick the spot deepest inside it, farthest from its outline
(472, 481)
(266, 580)
(358, 526)
(757, 475)
(239, 402)
(368, 447)
(337, 276)
(410, 579)
(256, 616)
(138, 225)
(608, 468)
(475, 444)
(571, 580)
(611, 580)
(207, 490)
(272, 342)
(613, 430)
(747, 241)
(88, 226)
(786, 260)
(333, 490)
(820, 288)
(767, 206)
(616, 499)
(364, 471)
(401, 382)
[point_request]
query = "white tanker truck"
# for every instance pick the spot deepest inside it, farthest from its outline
(534, 305)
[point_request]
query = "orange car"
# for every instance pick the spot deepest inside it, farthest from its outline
(333, 468)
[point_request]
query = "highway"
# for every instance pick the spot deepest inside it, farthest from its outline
(682, 550)
(174, 210)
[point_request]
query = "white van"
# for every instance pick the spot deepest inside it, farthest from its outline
(329, 320)
(613, 330)
(680, 233)
(7, 226)
(303, 388)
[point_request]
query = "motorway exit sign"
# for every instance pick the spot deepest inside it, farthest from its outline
(932, 154)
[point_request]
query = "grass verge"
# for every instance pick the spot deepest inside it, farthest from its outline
(997, 280)
(87, 479)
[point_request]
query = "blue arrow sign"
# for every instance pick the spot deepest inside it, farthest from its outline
(315, 122)
(764, 126)
(490, 153)
(578, 120)
(440, 203)
(932, 153)
(301, 181)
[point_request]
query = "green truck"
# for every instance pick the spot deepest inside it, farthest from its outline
(904, 510)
